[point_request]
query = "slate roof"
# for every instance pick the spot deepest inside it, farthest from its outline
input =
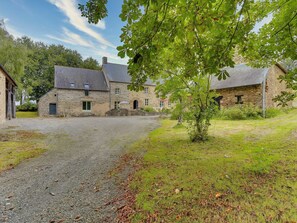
(240, 75)
(119, 73)
(65, 76)
(8, 75)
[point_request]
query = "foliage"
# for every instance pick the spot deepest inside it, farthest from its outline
(28, 106)
(149, 109)
(240, 112)
(13, 57)
(273, 112)
(276, 42)
(183, 50)
(229, 178)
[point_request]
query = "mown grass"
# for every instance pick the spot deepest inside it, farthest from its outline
(26, 114)
(246, 172)
(16, 146)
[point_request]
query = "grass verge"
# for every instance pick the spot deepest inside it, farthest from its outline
(246, 172)
(16, 146)
(26, 115)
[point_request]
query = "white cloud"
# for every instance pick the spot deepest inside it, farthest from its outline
(69, 8)
(71, 38)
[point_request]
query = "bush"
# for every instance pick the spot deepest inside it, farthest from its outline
(240, 112)
(149, 109)
(28, 106)
(273, 112)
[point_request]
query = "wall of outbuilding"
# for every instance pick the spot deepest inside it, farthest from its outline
(2, 97)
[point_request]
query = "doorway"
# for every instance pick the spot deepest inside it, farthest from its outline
(52, 109)
(135, 104)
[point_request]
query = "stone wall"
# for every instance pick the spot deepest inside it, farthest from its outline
(250, 95)
(2, 97)
(273, 86)
(70, 103)
(131, 96)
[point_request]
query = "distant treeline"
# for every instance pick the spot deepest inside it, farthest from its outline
(31, 64)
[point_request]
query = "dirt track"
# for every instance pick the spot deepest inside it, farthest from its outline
(69, 183)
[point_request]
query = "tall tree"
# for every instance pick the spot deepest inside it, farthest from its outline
(13, 57)
(276, 42)
(189, 39)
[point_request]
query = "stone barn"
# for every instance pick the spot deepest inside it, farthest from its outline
(247, 85)
(7, 96)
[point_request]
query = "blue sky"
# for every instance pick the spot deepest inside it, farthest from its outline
(59, 22)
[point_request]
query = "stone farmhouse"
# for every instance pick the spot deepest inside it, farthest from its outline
(7, 96)
(247, 85)
(84, 92)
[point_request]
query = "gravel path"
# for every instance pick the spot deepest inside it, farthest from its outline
(69, 183)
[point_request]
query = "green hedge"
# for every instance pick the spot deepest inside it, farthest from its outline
(28, 106)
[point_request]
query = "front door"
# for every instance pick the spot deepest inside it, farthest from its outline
(135, 104)
(52, 109)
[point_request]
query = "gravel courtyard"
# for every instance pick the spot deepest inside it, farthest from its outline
(69, 182)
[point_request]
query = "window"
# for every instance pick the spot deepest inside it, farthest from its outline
(87, 86)
(169, 103)
(116, 105)
(87, 106)
(72, 85)
(117, 91)
(86, 92)
(239, 99)
(146, 102)
(146, 90)
(161, 104)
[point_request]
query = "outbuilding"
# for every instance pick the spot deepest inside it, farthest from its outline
(7, 96)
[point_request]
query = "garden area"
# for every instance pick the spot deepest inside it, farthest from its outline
(245, 172)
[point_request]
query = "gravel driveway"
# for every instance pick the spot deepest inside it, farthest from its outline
(69, 183)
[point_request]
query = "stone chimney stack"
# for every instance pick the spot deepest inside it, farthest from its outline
(104, 60)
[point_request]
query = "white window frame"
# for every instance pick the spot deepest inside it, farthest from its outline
(161, 104)
(146, 102)
(117, 91)
(146, 90)
(88, 108)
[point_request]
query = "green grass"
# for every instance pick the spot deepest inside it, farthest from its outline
(26, 114)
(246, 172)
(16, 146)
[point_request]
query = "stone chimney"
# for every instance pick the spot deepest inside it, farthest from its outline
(104, 60)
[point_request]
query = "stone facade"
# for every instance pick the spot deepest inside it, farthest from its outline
(249, 95)
(2, 97)
(147, 98)
(253, 94)
(7, 96)
(71, 103)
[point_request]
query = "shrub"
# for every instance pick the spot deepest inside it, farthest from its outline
(28, 106)
(273, 112)
(149, 109)
(239, 112)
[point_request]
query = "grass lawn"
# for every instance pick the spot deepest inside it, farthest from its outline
(26, 115)
(16, 146)
(246, 172)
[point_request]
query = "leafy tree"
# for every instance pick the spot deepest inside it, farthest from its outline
(192, 40)
(91, 63)
(276, 42)
(13, 57)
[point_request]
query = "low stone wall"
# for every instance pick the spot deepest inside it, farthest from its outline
(127, 112)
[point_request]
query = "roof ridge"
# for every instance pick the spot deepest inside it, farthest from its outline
(77, 68)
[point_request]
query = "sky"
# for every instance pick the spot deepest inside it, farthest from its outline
(60, 22)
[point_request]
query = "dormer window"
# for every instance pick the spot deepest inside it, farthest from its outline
(72, 85)
(87, 88)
